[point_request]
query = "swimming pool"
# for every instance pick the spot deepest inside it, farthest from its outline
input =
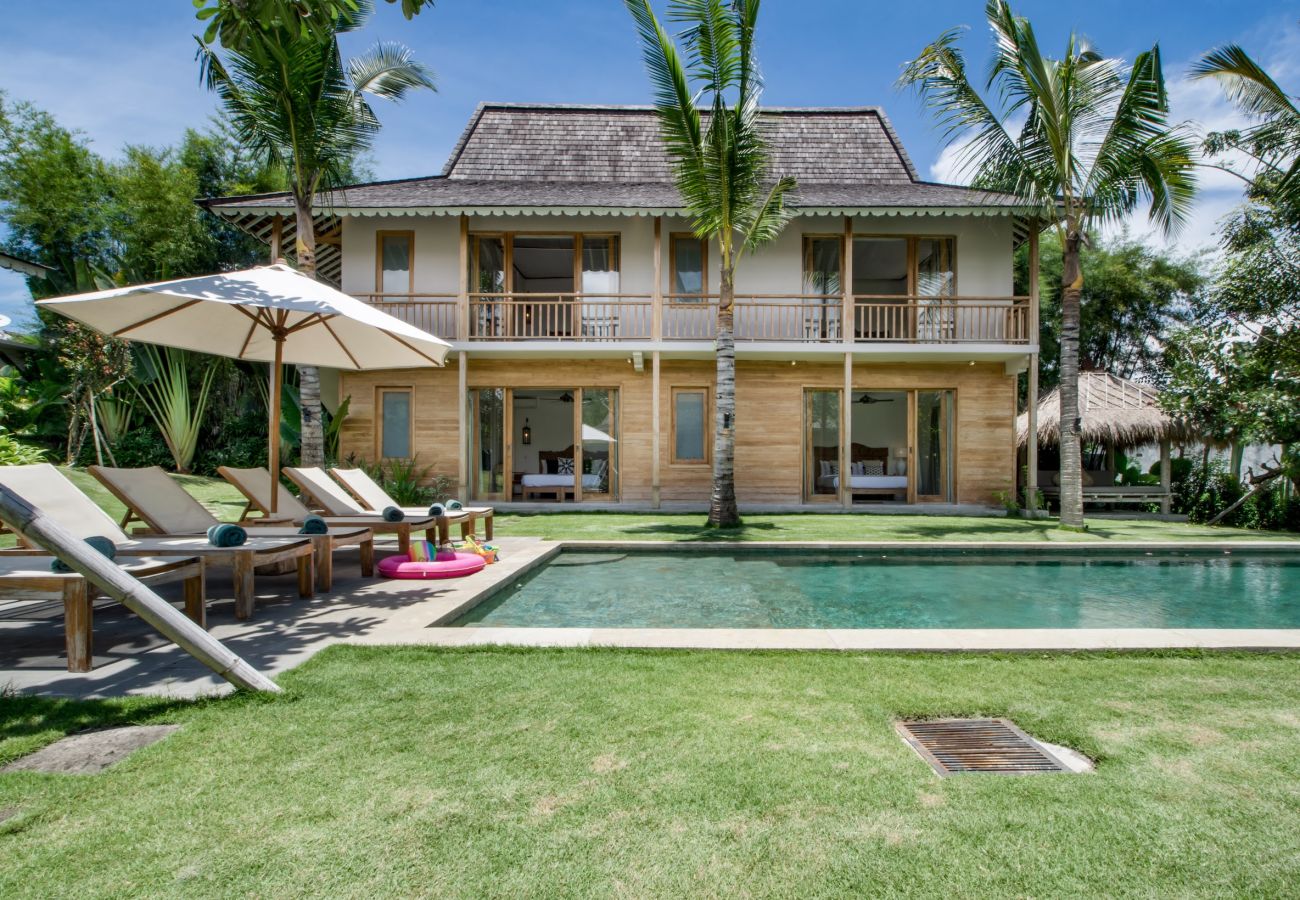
(764, 588)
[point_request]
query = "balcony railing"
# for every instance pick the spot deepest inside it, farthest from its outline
(434, 313)
(814, 318)
(561, 317)
(778, 318)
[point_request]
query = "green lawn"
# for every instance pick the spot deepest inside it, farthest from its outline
(815, 527)
(226, 503)
(399, 772)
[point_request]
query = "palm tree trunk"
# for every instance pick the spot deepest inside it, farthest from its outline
(312, 449)
(1071, 452)
(722, 504)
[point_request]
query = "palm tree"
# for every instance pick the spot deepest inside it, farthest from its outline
(721, 170)
(1095, 144)
(293, 100)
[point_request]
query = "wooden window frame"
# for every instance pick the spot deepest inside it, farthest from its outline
(673, 237)
(379, 258)
(912, 266)
(804, 257)
(508, 252)
(380, 391)
(707, 392)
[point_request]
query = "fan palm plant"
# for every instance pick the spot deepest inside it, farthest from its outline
(721, 165)
(293, 100)
(162, 385)
(1095, 144)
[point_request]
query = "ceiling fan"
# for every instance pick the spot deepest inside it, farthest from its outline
(868, 399)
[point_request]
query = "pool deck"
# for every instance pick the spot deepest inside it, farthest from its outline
(285, 631)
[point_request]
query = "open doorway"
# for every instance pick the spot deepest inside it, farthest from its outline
(878, 446)
(563, 444)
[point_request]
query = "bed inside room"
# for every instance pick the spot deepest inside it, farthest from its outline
(878, 447)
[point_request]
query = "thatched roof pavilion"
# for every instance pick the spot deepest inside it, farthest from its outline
(1116, 413)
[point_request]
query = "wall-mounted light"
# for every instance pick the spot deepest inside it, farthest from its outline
(528, 432)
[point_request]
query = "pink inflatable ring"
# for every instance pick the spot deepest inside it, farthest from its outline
(402, 567)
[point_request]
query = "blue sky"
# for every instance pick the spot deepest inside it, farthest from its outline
(123, 71)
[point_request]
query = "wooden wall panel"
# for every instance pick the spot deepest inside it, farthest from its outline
(769, 397)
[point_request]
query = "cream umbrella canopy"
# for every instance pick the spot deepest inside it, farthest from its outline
(266, 314)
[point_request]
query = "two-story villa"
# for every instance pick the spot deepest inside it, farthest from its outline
(878, 339)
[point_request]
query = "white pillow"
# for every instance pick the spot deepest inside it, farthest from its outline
(858, 468)
(829, 468)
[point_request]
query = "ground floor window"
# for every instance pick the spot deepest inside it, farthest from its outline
(395, 423)
(690, 425)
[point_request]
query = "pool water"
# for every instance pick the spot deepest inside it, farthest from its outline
(868, 589)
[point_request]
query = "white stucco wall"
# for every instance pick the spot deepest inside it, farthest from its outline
(983, 248)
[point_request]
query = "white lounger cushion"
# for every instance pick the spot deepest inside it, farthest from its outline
(159, 500)
(46, 488)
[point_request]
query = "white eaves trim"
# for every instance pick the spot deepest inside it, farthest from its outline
(232, 213)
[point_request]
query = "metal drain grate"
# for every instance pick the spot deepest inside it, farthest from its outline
(956, 746)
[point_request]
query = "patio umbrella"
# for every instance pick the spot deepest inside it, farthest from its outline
(268, 314)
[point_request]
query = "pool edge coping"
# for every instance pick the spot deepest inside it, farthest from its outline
(439, 632)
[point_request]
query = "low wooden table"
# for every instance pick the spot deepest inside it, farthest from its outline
(27, 577)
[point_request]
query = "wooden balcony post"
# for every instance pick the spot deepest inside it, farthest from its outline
(657, 302)
(462, 299)
(462, 424)
(1031, 444)
(654, 428)
(277, 237)
(848, 327)
(846, 433)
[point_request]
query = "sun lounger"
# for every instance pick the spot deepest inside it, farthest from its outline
(45, 487)
(153, 497)
(255, 485)
(371, 496)
(26, 579)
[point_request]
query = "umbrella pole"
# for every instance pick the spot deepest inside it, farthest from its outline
(273, 457)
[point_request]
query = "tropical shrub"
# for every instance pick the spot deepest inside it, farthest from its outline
(405, 480)
(14, 452)
(163, 386)
(1209, 489)
(135, 449)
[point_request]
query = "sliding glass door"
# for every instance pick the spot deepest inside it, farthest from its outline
(821, 429)
(489, 425)
(935, 434)
(597, 444)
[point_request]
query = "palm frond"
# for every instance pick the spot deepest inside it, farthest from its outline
(987, 152)
(389, 70)
(710, 41)
(1246, 83)
(768, 219)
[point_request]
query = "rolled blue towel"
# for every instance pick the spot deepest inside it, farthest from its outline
(453, 505)
(314, 525)
(227, 535)
(393, 514)
(438, 510)
(99, 542)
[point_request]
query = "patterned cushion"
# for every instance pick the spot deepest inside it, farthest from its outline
(566, 465)
(873, 467)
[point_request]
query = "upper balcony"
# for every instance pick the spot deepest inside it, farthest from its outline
(759, 318)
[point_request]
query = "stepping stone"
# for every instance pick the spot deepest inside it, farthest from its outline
(90, 752)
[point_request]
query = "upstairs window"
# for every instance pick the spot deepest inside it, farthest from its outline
(904, 267)
(395, 273)
(688, 259)
(822, 265)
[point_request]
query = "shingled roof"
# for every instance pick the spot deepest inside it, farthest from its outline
(610, 158)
